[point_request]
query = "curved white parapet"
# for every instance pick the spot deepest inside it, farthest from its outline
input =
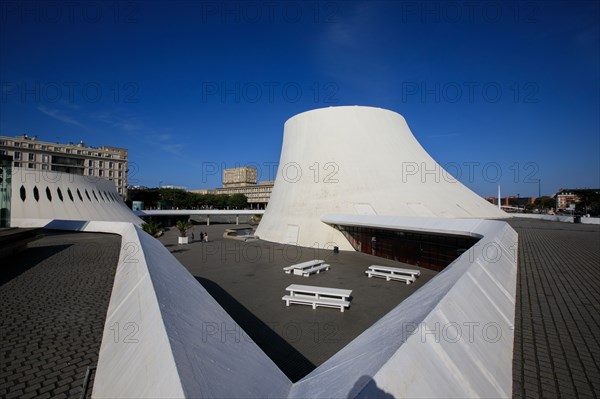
(47, 195)
(357, 160)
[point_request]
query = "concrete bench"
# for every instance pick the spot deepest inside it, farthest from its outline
(317, 296)
(299, 267)
(315, 269)
(393, 273)
(395, 270)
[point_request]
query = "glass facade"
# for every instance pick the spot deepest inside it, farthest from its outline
(5, 190)
(431, 251)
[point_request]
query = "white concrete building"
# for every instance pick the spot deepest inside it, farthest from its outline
(357, 161)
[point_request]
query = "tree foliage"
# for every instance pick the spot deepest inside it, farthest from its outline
(589, 201)
(182, 199)
(545, 202)
(151, 228)
(183, 227)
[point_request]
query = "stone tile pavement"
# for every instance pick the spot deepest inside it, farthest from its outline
(557, 320)
(53, 298)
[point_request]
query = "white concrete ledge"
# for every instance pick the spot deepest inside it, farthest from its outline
(176, 212)
(557, 218)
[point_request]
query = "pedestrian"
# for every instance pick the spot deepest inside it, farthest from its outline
(205, 237)
(201, 236)
(192, 236)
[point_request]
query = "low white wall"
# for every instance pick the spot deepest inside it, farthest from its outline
(590, 220)
(557, 218)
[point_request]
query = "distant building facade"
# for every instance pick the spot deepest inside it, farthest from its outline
(512, 200)
(104, 162)
(239, 177)
(566, 197)
(243, 181)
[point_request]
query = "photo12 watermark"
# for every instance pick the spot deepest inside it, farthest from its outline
(468, 171)
(270, 12)
(293, 331)
(69, 13)
(469, 92)
(454, 332)
(269, 92)
(70, 92)
(469, 12)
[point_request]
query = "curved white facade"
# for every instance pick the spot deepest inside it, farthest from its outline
(358, 161)
(39, 197)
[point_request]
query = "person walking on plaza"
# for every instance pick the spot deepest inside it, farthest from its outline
(201, 236)
(192, 236)
(205, 237)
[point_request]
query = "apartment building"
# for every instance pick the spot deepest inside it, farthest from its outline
(103, 162)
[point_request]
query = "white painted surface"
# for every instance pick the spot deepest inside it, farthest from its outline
(358, 160)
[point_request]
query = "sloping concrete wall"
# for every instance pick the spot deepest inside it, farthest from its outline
(357, 160)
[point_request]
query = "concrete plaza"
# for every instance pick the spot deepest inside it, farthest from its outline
(247, 279)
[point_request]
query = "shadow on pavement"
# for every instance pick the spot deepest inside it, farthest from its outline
(17, 264)
(293, 364)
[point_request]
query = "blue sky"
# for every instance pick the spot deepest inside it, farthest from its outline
(506, 91)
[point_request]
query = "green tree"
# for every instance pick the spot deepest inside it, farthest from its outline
(183, 227)
(150, 228)
(589, 201)
(210, 200)
(545, 202)
(222, 201)
(238, 201)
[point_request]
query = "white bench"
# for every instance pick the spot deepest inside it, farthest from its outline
(393, 273)
(315, 269)
(298, 268)
(318, 296)
(410, 272)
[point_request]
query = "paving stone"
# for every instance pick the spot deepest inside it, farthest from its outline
(54, 299)
(556, 315)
